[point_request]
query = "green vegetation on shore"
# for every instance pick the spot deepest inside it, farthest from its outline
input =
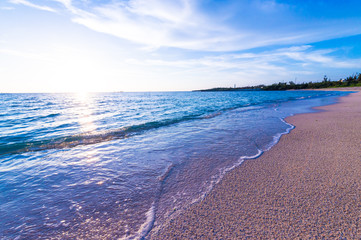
(351, 81)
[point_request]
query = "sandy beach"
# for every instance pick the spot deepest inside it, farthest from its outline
(308, 186)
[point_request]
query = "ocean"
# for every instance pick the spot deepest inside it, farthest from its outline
(117, 165)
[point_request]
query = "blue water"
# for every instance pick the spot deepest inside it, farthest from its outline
(116, 165)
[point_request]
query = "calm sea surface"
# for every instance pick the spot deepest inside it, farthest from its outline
(116, 165)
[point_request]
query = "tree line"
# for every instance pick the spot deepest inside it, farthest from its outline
(351, 81)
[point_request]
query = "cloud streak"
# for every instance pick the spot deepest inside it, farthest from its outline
(299, 56)
(187, 24)
(158, 43)
(32, 5)
(156, 24)
(304, 62)
(184, 24)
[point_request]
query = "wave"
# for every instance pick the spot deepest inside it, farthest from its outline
(16, 146)
(167, 172)
(146, 226)
(277, 137)
(98, 137)
(222, 172)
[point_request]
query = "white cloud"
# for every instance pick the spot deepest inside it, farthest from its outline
(29, 4)
(157, 23)
(7, 8)
(185, 24)
(297, 55)
(167, 27)
(68, 4)
(265, 67)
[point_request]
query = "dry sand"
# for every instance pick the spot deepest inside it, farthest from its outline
(306, 187)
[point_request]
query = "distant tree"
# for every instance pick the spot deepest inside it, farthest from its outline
(325, 79)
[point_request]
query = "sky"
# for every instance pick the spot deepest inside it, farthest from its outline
(174, 45)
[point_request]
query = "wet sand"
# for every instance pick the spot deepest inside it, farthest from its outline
(308, 186)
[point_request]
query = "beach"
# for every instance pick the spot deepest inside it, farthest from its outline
(82, 167)
(307, 186)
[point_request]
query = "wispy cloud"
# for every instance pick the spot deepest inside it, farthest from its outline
(188, 24)
(300, 56)
(29, 4)
(201, 43)
(179, 23)
(303, 62)
(157, 23)
(7, 8)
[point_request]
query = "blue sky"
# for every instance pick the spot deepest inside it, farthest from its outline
(161, 45)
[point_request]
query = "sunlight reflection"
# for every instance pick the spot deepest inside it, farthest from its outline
(89, 157)
(84, 112)
(85, 117)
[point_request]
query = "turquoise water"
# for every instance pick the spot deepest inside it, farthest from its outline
(115, 165)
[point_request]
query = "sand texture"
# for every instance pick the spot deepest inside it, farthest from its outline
(306, 187)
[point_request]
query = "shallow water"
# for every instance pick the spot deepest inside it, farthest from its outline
(115, 165)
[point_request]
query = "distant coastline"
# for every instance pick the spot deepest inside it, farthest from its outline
(225, 89)
(351, 81)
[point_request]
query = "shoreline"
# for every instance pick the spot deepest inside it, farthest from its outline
(307, 185)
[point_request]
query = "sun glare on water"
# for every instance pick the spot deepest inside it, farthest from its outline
(84, 112)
